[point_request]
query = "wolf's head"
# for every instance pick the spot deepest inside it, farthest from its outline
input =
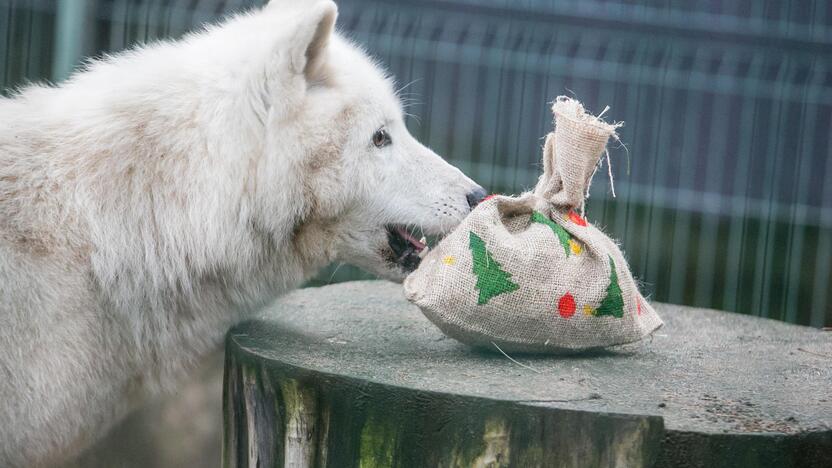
(357, 181)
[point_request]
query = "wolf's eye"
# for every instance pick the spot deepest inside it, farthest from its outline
(381, 138)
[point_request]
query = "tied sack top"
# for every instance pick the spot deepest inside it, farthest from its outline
(528, 273)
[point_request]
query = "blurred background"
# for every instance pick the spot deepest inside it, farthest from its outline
(724, 191)
(724, 194)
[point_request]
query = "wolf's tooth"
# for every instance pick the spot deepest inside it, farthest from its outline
(424, 252)
(423, 240)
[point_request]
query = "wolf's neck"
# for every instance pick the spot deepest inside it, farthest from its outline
(151, 164)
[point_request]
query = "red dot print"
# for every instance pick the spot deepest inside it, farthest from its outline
(638, 306)
(576, 218)
(566, 306)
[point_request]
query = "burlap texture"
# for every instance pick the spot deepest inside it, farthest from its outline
(528, 273)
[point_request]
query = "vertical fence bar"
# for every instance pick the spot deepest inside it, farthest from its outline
(72, 36)
(683, 263)
(738, 223)
(6, 13)
(708, 242)
(798, 220)
(821, 284)
(762, 264)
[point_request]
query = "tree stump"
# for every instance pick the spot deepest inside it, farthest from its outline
(352, 375)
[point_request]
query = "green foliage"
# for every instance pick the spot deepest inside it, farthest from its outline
(491, 279)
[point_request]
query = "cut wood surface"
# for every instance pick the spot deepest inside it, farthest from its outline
(353, 375)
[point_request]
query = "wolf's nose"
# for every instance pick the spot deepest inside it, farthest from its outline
(475, 196)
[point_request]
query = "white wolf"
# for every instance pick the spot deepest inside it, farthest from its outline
(160, 195)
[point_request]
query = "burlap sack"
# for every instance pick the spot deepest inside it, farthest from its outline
(529, 274)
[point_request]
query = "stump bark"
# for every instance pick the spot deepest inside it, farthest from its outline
(353, 375)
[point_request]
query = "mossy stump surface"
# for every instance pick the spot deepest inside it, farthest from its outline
(351, 375)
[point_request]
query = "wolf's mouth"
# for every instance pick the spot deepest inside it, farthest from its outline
(407, 250)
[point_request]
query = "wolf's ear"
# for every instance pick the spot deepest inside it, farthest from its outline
(308, 44)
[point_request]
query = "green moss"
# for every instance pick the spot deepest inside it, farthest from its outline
(497, 445)
(378, 443)
(292, 397)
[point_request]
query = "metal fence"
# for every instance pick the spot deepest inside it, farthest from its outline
(724, 193)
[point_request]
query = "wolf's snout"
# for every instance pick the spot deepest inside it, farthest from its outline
(475, 196)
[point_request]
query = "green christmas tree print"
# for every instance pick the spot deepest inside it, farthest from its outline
(491, 279)
(560, 232)
(613, 302)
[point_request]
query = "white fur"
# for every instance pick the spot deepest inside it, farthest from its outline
(160, 195)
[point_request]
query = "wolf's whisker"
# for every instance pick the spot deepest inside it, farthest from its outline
(406, 86)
